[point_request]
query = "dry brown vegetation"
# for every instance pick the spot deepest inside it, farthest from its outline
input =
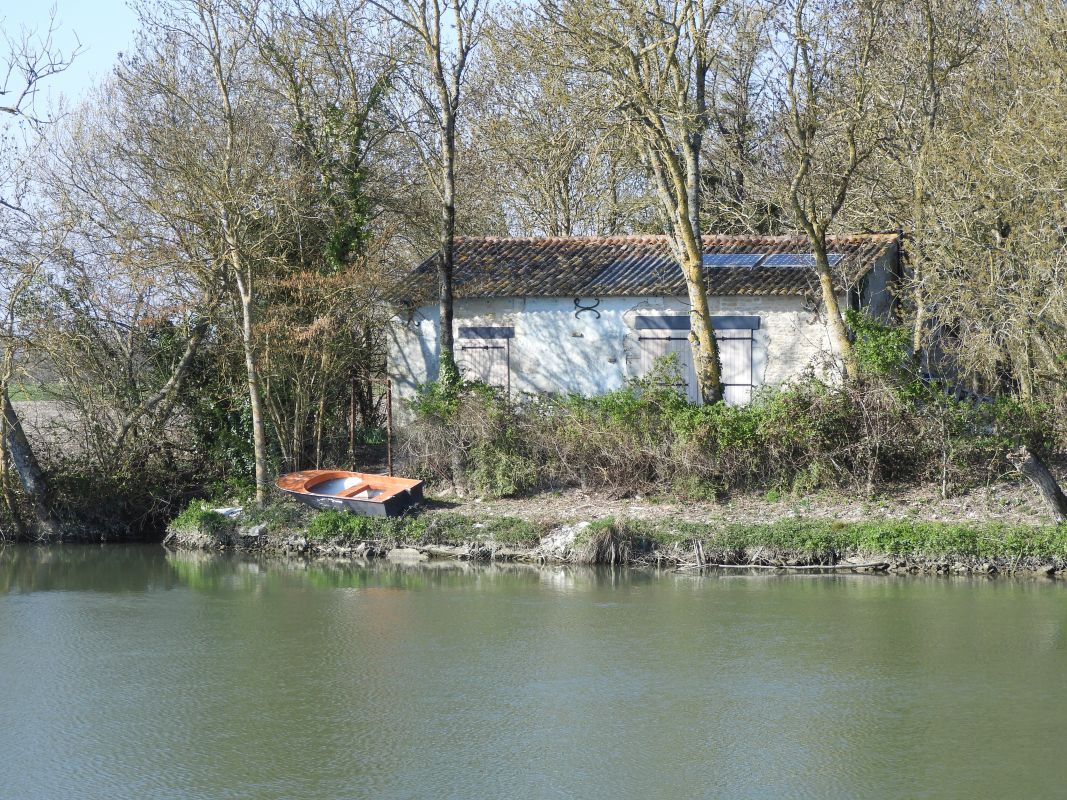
(880, 434)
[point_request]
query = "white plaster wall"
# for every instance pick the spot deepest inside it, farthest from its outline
(553, 351)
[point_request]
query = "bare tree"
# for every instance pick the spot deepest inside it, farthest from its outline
(15, 446)
(203, 141)
(740, 97)
(434, 45)
(952, 34)
(31, 59)
(557, 168)
(652, 60)
(139, 183)
(830, 128)
(921, 81)
(996, 274)
(319, 64)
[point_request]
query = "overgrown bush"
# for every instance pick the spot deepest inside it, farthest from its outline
(469, 434)
(128, 500)
(887, 428)
(329, 524)
(198, 516)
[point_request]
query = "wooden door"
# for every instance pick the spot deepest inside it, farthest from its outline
(735, 355)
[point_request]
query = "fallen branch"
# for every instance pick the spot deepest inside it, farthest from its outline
(872, 565)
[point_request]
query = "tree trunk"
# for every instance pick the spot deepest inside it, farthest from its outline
(834, 318)
(296, 428)
(702, 336)
(676, 191)
(918, 333)
(1030, 465)
(259, 438)
(5, 487)
(447, 370)
(321, 411)
(692, 183)
(701, 331)
(29, 471)
(170, 390)
(918, 193)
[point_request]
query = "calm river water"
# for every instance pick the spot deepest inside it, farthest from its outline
(132, 673)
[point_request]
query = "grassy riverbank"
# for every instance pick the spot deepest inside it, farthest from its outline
(893, 544)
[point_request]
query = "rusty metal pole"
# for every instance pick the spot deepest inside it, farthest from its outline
(389, 425)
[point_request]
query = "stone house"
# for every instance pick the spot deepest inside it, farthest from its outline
(585, 314)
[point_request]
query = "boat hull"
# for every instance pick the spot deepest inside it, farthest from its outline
(370, 495)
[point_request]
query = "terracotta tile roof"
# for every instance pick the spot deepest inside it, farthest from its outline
(627, 266)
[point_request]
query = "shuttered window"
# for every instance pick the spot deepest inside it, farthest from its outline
(659, 336)
(484, 354)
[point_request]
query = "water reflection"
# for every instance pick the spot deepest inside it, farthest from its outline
(148, 567)
(84, 568)
(276, 678)
(210, 571)
(144, 568)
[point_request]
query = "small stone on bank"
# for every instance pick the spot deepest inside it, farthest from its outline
(406, 554)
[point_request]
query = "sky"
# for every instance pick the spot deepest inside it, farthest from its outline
(103, 27)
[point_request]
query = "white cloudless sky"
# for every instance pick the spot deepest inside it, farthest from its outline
(103, 27)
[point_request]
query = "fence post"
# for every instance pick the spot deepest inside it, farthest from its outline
(389, 425)
(352, 423)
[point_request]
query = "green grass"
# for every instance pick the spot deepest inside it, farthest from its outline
(21, 392)
(423, 528)
(511, 530)
(198, 517)
(599, 526)
(276, 516)
(817, 540)
(333, 524)
(900, 538)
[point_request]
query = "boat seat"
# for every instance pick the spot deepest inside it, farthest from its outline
(351, 491)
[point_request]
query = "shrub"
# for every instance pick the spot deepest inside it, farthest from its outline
(276, 516)
(645, 437)
(197, 516)
(880, 350)
(237, 489)
(468, 434)
(331, 524)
